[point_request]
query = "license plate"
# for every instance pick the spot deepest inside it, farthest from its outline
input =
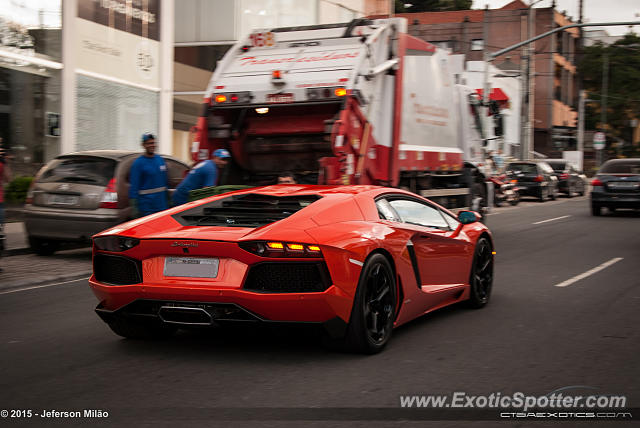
(191, 267)
(55, 199)
(623, 185)
(280, 98)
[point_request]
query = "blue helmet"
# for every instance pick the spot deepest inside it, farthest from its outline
(222, 154)
(147, 136)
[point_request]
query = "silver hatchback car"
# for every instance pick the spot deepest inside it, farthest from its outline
(79, 194)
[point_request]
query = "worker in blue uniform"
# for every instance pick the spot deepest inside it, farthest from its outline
(148, 180)
(204, 174)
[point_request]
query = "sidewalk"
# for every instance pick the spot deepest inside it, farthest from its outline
(21, 268)
(16, 239)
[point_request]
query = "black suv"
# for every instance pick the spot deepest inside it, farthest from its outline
(617, 185)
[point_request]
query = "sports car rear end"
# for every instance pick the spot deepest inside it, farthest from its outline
(241, 258)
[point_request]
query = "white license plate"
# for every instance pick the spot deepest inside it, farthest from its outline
(55, 199)
(623, 185)
(191, 267)
(280, 98)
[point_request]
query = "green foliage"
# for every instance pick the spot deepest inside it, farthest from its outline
(623, 95)
(16, 190)
(431, 5)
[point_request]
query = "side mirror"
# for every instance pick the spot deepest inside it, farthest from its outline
(468, 217)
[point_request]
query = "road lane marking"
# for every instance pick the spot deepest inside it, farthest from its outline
(551, 219)
(43, 286)
(590, 272)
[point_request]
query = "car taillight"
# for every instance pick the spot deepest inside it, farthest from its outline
(596, 182)
(281, 249)
(115, 243)
(110, 196)
(564, 176)
(538, 179)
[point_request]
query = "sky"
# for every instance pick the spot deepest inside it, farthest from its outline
(593, 10)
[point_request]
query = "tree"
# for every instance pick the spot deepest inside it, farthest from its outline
(623, 94)
(431, 5)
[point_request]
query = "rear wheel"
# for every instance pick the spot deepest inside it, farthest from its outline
(570, 192)
(132, 330)
(43, 247)
(544, 194)
(596, 209)
(374, 306)
(481, 278)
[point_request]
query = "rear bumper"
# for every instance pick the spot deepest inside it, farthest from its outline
(185, 314)
(68, 226)
(317, 307)
(529, 189)
(609, 199)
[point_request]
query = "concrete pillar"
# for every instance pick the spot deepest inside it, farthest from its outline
(165, 125)
(68, 114)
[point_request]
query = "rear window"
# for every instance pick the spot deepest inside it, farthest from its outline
(621, 167)
(248, 210)
(558, 166)
(523, 167)
(89, 170)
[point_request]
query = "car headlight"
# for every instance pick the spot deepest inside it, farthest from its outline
(115, 243)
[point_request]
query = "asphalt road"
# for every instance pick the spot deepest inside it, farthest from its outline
(533, 337)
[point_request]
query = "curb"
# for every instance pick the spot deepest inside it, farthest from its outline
(43, 281)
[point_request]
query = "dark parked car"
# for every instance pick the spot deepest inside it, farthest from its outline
(534, 179)
(617, 185)
(77, 195)
(570, 180)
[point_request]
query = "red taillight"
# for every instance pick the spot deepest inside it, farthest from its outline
(110, 196)
(564, 176)
(233, 98)
(538, 179)
(596, 182)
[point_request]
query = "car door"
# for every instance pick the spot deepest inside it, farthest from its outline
(439, 254)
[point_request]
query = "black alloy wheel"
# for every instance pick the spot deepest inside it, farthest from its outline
(374, 307)
(481, 278)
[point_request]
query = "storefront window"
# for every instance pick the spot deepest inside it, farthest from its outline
(113, 116)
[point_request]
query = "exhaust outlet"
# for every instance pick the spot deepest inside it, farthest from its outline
(185, 315)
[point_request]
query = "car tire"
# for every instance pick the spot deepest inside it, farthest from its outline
(544, 194)
(554, 194)
(43, 247)
(582, 191)
(596, 209)
(481, 276)
(141, 331)
(570, 192)
(374, 307)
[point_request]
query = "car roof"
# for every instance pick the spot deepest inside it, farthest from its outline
(110, 154)
(117, 155)
(625, 160)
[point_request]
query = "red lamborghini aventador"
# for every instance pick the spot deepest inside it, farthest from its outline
(360, 260)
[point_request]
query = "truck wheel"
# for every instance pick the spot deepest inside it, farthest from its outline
(373, 312)
(131, 330)
(43, 247)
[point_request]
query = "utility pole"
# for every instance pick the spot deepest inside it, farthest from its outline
(581, 129)
(531, 76)
(603, 103)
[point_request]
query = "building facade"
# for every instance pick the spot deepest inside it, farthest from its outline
(552, 70)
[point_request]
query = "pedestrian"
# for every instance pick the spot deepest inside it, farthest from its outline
(498, 160)
(5, 177)
(204, 174)
(286, 177)
(148, 180)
